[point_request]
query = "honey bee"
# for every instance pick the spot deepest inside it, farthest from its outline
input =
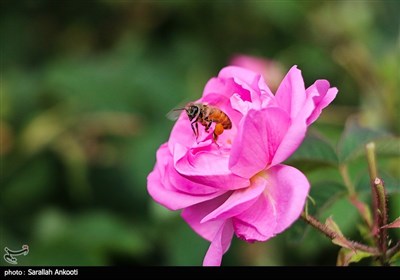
(206, 115)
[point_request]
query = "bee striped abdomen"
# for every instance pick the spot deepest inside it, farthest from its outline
(222, 118)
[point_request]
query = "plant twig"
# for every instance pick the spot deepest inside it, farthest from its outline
(344, 172)
(332, 235)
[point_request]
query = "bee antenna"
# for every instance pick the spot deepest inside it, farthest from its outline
(179, 109)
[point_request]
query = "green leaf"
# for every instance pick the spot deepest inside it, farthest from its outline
(354, 138)
(325, 194)
(363, 185)
(388, 146)
(347, 256)
(315, 148)
(345, 214)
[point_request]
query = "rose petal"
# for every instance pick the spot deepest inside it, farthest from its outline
(289, 189)
(194, 214)
(291, 93)
(245, 78)
(323, 98)
(238, 202)
(161, 190)
(291, 141)
(226, 86)
(207, 168)
(259, 136)
(258, 222)
(219, 245)
(181, 133)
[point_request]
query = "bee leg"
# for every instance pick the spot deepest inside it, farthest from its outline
(208, 126)
(195, 128)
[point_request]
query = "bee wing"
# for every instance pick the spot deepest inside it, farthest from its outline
(174, 114)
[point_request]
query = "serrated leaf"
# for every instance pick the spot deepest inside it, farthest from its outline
(324, 194)
(354, 138)
(388, 146)
(315, 148)
(394, 224)
(347, 256)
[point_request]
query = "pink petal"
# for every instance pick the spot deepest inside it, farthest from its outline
(239, 201)
(181, 133)
(291, 93)
(224, 104)
(226, 86)
(282, 202)
(289, 189)
(183, 184)
(324, 95)
(194, 214)
(259, 136)
(291, 140)
(160, 188)
(246, 77)
(219, 245)
(207, 168)
(258, 222)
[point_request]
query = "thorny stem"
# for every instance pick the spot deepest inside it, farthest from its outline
(383, 218)
(332, 235)
(379, 204)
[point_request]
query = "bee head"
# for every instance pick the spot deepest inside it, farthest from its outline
(192, 110)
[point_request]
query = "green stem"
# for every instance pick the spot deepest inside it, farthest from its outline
(346, 179)
(373, 173)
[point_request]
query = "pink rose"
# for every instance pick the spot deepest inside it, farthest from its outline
(240, 186)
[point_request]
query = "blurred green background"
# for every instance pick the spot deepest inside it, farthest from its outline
(86, 85)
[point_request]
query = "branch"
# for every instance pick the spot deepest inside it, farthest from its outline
(332, 235)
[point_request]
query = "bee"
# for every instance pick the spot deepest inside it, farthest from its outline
(206, 115)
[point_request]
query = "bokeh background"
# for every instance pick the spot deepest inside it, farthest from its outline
(85, 89)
